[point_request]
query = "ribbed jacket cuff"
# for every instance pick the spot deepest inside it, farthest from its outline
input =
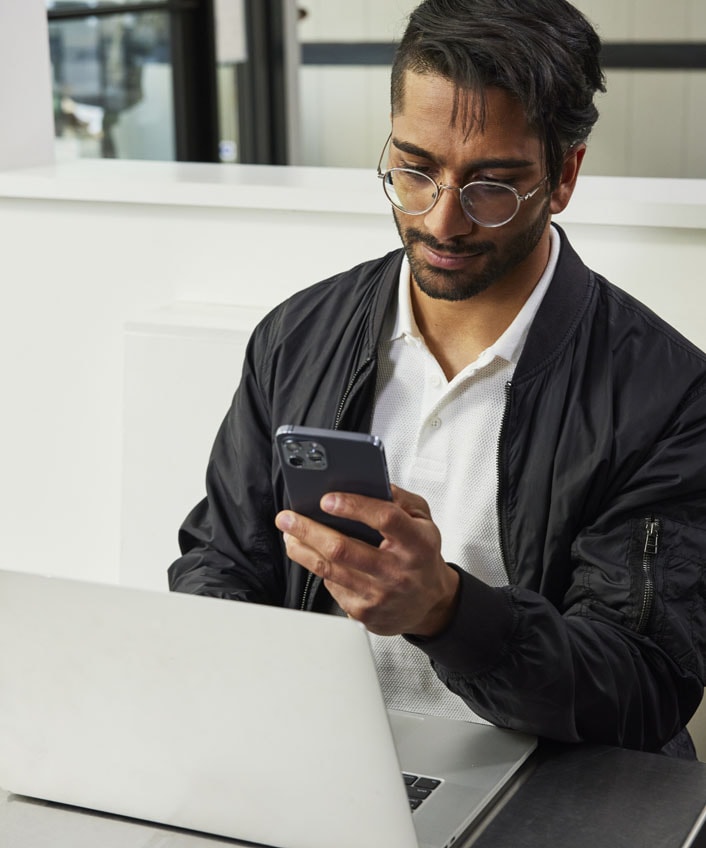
(478, 635)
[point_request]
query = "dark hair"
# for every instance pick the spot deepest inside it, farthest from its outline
(544, 52)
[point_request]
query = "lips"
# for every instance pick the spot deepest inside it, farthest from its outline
(449, 261)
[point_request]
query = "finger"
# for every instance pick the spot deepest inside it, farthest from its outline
(348, 601)
(327, 553)
(383, 516)
(401, 521)
(410, 502)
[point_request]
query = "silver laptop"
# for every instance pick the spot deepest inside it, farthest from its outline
(244, 721)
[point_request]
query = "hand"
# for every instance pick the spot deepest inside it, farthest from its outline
(403, 586)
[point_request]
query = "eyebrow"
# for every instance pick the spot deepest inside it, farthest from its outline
(478, 164)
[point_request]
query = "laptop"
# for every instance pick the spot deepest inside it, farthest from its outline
(244, 721)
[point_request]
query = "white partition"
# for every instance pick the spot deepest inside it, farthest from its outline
(181, 366)
(90, 250)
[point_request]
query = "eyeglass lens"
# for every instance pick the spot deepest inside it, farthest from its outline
(489, 204)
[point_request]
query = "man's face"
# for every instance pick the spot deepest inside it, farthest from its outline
(451, 257)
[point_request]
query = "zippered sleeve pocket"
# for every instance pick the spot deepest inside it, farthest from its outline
(650, 551)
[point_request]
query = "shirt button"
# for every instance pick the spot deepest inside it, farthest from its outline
(435, 423)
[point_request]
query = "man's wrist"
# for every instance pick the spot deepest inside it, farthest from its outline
(440, 615)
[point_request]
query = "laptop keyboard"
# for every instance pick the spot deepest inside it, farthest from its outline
(419, 788)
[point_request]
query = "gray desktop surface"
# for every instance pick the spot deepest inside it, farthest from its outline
(593, 796)
(572, 796)
(31, 823)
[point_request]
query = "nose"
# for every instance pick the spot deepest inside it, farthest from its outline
(446, 219)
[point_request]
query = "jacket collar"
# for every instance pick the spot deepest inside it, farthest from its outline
(560, 312)
(562, 307)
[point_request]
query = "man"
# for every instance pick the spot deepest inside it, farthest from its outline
(541, 563)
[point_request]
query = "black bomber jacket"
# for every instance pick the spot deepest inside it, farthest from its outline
(601, 633)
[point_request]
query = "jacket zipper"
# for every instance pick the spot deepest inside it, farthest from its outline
(649, 555)
(336, 425)
(501, 468)
(305, 593)
(349, 389)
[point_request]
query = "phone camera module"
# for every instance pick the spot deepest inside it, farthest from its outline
(305, 454)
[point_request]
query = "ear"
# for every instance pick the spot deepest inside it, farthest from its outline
(561, 195)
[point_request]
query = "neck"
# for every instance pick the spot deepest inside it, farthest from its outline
(457, 332)
(457, 336)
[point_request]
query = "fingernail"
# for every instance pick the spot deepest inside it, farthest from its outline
(284, 521)
(328, 503)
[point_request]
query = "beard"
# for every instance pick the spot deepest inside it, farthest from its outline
(454, 285)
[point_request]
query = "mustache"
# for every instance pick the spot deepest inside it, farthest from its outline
(455, 248)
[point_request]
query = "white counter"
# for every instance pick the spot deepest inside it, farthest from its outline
(597, 200)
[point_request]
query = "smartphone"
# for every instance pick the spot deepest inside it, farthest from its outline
(316, 461)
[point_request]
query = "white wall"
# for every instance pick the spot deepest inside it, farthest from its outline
(27, 136)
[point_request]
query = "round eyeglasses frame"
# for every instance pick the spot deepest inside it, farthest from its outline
(519, 198)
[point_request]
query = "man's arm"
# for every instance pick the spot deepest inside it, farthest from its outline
(228, 543)
(575, 674)
(572, 677)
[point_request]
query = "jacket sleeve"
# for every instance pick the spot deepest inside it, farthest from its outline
(229, 544)
(619, 657)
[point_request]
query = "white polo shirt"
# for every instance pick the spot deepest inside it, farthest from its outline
(441, 441)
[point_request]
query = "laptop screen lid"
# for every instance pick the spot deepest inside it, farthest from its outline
(251, 722)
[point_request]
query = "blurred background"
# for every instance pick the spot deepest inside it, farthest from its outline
(306, 82)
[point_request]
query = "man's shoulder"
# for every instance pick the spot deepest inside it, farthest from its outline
(585, 318)
(582, 298)
(351, 282)
(628, 316)
(353, 290)
(318, 317)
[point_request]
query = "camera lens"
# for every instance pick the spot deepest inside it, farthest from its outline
(316, 456)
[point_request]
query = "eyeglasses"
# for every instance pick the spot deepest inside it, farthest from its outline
(489, 204)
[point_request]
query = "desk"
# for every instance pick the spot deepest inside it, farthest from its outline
(29, 823)
(600, 797)
(575, 797)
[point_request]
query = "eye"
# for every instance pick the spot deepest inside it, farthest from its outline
(509, 181)
(489, 178)
(410, 180)
(414, 166)
(491, 191)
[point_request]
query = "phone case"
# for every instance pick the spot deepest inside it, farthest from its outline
(316, 461)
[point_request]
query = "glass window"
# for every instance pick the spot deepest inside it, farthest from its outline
(112, 83)
(70, 5)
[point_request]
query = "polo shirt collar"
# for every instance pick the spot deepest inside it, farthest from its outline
(509, 345)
